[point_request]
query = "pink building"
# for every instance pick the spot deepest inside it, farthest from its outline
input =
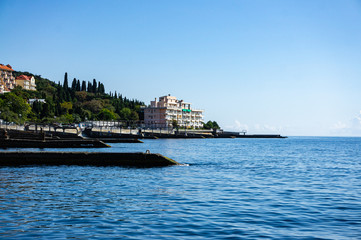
(163, 113)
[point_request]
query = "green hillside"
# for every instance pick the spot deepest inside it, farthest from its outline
(67, 103)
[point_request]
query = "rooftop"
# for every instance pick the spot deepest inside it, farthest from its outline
(23, 77)
(6, 68)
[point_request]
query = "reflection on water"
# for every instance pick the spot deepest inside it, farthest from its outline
(296, 188)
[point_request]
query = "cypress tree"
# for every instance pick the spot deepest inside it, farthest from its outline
(83, 86)
(67, 96)
(58, 109)
(73, 85)
(65, 84)
(61, 94)
(90, 87)
(77, 86)
(45, 111)
(36, 107)
(94, 86)
(117, 107)
(99, 88)
(102, 89)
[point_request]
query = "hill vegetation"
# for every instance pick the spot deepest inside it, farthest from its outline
(67, 103)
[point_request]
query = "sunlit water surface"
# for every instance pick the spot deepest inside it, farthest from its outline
(295, 188)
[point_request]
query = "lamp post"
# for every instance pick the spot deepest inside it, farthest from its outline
(54, 124)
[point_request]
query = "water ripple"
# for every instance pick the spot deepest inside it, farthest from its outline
(296, 188)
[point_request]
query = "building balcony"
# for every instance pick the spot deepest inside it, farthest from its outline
(171, 113)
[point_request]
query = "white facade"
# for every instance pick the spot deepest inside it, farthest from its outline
(162, 114)
(32, 83)
(32, 100)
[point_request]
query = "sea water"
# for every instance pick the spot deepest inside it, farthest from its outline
(294, 188)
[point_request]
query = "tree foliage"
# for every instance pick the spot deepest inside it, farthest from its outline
(211, 125)
(63, 103)
(106, 114)
(14, 108)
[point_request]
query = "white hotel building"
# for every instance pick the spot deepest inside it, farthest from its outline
(161, 114)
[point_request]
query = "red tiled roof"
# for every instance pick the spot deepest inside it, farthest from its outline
(23, 77)
(7, 67)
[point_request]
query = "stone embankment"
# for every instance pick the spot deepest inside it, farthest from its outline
(30, 139)
(157, 133)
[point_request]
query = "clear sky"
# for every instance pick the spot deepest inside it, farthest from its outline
(288, 67)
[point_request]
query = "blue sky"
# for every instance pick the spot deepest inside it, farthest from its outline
(288, 67)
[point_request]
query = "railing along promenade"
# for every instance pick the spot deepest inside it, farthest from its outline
(136, 128)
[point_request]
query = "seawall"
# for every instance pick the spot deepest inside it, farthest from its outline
(68, 143)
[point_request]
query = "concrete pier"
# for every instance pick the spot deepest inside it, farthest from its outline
(139, 159)
(68, 143)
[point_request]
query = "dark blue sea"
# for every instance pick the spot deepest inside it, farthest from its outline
(294, 188)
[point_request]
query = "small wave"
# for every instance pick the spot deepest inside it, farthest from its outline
(184, 165)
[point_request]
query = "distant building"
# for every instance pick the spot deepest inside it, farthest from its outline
(26, 82)
(32, 100)
(163, 113)
(7, 80)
